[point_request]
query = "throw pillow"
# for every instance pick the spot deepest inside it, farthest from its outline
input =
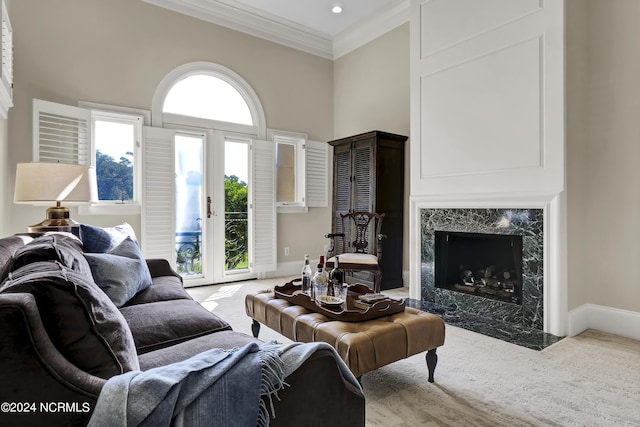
(81, 321)
(65, 249)
(8, 246)
(52, 247)
(120, 273)
(102, 240)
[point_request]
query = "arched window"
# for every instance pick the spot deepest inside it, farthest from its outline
(208, 91)
(207, 97)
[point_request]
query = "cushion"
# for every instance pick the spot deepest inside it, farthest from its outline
(161, 324)
(354, 258)
(164, 288)
(120, 273)
(226, 340)
(102, 240)
(81, 321)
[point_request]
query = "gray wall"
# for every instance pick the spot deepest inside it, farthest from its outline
(371, 91)
(603, 146)
(6, 193)
(117, 51)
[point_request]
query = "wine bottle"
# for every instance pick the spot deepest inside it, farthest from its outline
(320, 279)
(336, 277)
(306, 276)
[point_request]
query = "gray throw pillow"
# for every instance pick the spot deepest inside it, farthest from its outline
(104, 239)
(52, 248)
(65, 249)
(81, 321)
(120, 273)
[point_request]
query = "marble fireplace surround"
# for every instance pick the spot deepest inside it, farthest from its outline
(541, 222)
(527, 223)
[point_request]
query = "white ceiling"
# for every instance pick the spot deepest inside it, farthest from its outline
(307, 25)
(317, 15)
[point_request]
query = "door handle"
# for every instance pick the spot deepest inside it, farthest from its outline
(208, 206)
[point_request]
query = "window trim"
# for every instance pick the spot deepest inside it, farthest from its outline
(299, 140)
(139, 118)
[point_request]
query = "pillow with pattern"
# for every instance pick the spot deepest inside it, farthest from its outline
(104, 239)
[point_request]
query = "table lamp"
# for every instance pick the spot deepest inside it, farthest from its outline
(55, 183)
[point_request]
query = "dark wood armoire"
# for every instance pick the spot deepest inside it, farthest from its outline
(368, 175)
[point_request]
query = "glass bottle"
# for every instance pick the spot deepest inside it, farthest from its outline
(306, 276)
(336, 277)
(320, 279)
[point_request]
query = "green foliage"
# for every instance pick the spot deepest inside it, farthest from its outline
(115, 179)
(235, 194)
(236, 226)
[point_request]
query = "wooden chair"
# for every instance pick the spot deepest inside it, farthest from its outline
(358, 242)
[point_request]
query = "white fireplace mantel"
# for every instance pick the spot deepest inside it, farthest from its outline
(555, 253)
(487, 121)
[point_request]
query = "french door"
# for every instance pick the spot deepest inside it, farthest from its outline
(228, 210)
(214, 234)
(209, 204)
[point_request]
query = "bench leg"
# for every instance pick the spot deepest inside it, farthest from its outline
(255, 328)
(432, 361)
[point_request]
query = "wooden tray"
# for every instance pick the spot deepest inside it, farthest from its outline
(347, 312)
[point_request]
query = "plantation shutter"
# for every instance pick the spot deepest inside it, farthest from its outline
(263, 207)
(316, 167)
(158, 195)
(6, 71)
(61, 133)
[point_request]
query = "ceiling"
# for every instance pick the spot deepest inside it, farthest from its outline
(316, 14)
(307, 25)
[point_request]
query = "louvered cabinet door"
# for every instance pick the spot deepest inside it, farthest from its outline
(342, 190)
(363, 176)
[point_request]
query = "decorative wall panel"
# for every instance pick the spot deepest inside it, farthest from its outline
(449, 22)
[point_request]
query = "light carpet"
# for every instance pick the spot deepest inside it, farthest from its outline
(592, 379)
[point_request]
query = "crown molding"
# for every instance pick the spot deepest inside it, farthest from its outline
(371, 28)
(240, 17)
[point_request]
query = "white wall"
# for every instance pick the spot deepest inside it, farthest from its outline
(487, 97)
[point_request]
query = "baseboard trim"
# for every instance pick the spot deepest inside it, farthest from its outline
(607, 319)
(286, 269)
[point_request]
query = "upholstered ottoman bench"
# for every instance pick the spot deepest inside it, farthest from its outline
(364, 346)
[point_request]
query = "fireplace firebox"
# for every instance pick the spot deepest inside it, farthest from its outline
(484, 265)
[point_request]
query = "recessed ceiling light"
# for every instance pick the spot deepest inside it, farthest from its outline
(336, 9)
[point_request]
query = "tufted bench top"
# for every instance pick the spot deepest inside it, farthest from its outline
(364, 346)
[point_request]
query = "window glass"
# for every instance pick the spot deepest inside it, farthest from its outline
(189, 203)
(207, 97)
(114, 148)
(286, 172)
(236, 217)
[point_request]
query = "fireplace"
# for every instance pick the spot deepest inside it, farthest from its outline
(515, 239)
(482, 264)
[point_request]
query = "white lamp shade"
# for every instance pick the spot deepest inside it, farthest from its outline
(47, 183)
